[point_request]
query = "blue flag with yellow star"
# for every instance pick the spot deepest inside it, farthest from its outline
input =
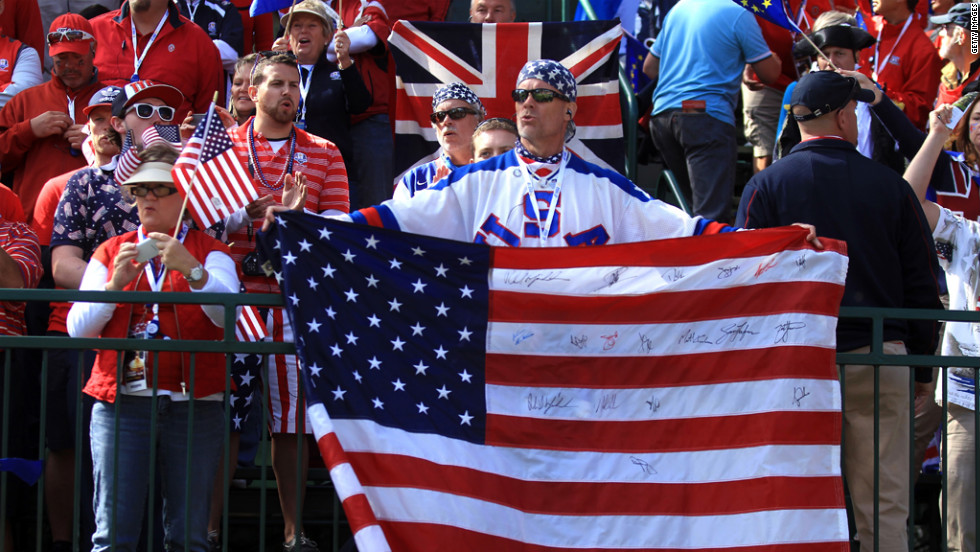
(636, 52)
(775, 11)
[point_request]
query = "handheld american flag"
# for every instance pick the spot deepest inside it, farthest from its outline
(128, 160)
(488, 58)
(670, 395)
(210, 175)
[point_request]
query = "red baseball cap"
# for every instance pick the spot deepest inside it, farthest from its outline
(70, 33)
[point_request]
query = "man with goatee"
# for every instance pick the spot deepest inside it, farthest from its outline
(285, 161)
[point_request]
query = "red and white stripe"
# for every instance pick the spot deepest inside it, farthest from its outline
(701, 409)
(215, 188)
(250, 326)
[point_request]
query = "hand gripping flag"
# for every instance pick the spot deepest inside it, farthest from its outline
(210, 174)
(774, 11)
(488, 58)
(671, 395)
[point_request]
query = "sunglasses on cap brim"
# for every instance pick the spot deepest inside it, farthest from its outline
(70, 35)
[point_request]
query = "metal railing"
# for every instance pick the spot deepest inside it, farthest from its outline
(261, 520)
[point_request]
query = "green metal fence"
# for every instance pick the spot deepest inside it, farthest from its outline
(323, 508)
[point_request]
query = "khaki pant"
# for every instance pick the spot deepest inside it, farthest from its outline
(893, 450)
(961, 528)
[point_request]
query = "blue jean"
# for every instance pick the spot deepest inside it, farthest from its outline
(701, 152)
(373, 162)
(129, 492)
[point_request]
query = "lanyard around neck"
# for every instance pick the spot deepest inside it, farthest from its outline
(304, 88)
(880, 64)
(529, 178)
(138, 60)
(192, 8)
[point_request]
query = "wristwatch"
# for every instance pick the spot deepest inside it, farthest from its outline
(196, 274)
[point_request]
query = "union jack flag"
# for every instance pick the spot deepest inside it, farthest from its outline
(488, 58)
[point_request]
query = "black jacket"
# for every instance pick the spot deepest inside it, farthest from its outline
(335, 95)
(892, 258)
(219, 19)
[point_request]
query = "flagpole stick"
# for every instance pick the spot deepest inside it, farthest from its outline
(289, 19)
(820, 52)
(187, 194)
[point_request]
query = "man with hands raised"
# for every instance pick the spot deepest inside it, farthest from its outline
(293, 168)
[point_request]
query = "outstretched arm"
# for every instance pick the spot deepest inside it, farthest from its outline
(920, 169)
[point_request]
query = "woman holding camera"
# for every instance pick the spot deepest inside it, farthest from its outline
(162, 255)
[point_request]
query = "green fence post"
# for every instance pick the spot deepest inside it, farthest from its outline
(4, 452)
(42, 421)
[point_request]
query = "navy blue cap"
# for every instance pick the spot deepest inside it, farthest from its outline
(824, 92)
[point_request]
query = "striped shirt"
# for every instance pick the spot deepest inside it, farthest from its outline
(19, 241)
(326, 185)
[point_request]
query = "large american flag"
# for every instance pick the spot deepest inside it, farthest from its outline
(211, 174)
(488, 58)
(669, 395)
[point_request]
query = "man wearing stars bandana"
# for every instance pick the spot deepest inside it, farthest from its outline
(539, 194)
(456, 112)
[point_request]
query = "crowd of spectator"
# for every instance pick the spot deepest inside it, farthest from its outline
(92, 114)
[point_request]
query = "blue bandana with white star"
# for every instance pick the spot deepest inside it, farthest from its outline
(457, 91)
(551, 72)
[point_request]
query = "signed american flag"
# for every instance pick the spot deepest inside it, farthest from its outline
(475, 398)
(488, 58)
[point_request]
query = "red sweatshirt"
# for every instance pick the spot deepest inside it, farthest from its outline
(37, 160)
(910, 75)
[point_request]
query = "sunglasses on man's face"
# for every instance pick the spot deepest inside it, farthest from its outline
(69, 35)
(158, 191)
(146, 111)
(455, 114)
(540, 95)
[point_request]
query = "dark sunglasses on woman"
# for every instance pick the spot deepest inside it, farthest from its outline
(455, 114)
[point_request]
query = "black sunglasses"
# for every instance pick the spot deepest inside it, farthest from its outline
(158, 191)
(540, 95)
(70, 35)
(455, 114)
(145, 111)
